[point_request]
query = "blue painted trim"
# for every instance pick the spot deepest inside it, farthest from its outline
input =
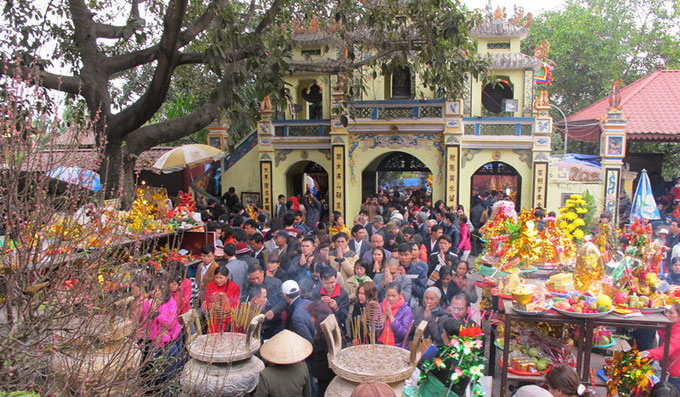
(402, 102)
(415, 111)
(374, 114)
(285, 130)
(518, 129)
(301, 122)
(509, 120)
(239, 151)
(478, 129)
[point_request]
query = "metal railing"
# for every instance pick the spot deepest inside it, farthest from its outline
(302, 128)
(499, 126)
(397, 109)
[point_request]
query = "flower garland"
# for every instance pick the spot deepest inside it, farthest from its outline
(572, 217)
(463, 358)
(629, 374)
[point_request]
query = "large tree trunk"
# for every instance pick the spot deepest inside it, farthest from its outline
(129, 179)
(111, 169)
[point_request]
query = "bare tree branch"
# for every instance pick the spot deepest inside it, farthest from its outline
(68, 84)
(134, 116)
(121, 32)
(202, 23)
(146, 137)
(190, 58)
(251, 11)
(268, 16)
(131, 60)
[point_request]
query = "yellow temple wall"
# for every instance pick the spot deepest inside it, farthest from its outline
(516, 78)
(244, 175)
(560, 188)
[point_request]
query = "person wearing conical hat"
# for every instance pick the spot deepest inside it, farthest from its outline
(288, 374)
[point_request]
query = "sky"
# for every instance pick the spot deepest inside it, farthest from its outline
(533, 6)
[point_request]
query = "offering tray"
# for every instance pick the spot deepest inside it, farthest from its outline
(227, 347)
(365, 363)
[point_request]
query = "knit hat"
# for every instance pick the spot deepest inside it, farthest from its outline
(242, 248)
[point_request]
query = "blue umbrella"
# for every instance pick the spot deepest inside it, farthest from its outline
(77, 176)
(644, 205)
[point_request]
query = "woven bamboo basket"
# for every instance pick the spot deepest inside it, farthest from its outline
(370, 363)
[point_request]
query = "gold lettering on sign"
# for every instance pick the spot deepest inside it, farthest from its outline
(266, 183)
(339, 179)
(540, 184)
(452, 153)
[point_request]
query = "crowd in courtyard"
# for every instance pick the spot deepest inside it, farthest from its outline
(401, 252)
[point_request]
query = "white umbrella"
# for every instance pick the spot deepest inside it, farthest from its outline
(187, 156)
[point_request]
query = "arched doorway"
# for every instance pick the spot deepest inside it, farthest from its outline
(395, 169)
(310, 176)
(495, 177)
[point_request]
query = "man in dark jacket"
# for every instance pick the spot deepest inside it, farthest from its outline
(275, 304)
(313, 208)
(336, 297)
(443, 257)
(298, 318)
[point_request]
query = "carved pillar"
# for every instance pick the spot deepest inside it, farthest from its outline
(612, 151)
(453, 134)
(265, 132)
(541, 149)
(339, 142)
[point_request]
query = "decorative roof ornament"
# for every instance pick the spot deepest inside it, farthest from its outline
(542, 99)
(615, 96)
(313, 25)
(544, 75)
(500, 27)
(541, 50)
(266, 104)
(520, 19)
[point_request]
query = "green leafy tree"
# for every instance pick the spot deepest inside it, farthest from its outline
(593, 42)
(124, 71)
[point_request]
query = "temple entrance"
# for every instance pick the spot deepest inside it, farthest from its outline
(395, 170)
(495, 177)
(307, 176)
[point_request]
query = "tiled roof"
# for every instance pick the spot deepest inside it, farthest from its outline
(499, 28)
(514, 61)
(86, 158)
(651, 107)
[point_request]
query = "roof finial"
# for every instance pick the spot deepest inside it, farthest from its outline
(498, 14)
(615, 95)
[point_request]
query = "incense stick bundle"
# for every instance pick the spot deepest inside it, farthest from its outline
(374, 319)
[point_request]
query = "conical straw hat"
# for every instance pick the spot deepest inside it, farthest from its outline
(286, 347)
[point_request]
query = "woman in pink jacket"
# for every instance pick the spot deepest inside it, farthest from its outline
(465, 245)
(164, 335)
(673, 340)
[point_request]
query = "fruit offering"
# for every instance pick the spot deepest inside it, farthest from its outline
(529, 360)
(582, 304)
(602, 337)
(589, 267)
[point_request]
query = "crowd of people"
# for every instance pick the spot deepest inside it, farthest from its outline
(401, 253)
(404, 254)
